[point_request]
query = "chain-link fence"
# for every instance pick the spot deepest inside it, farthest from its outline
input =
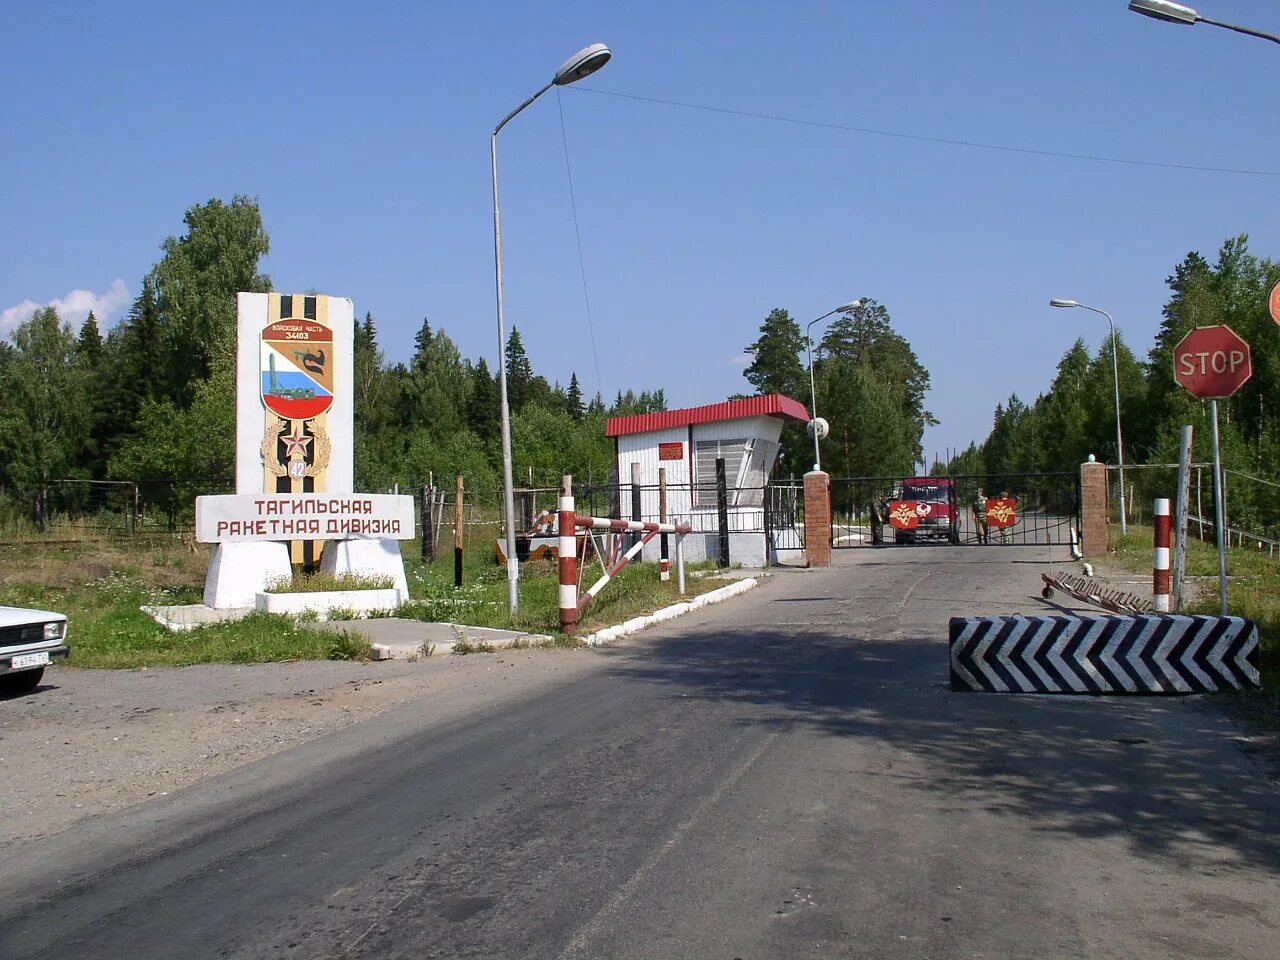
(78, 510)
(1251, 504)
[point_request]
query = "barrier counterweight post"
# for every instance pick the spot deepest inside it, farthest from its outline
(567, 548)
(680, 563)
(722, 513)
(1163, 525)
(664, 561)
(635, 500)
(457, 535)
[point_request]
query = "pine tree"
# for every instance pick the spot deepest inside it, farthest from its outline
(574, 399)
(89, 346)
(195, 286)
(775, 365)
(482, 410)
(519, 373)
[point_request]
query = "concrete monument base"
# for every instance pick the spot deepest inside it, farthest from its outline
(371, 558)
(238, 572)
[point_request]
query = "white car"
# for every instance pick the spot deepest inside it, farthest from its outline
(29, 641)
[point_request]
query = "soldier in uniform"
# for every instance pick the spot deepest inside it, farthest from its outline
(980, 515)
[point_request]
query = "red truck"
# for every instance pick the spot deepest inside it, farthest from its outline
(936, 509)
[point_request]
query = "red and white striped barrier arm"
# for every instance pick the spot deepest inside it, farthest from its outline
(631, 526)
(567, 548)
(618, 564)
(1160, 573)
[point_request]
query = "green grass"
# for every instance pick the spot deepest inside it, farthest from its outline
(326, 582)
(101, 588)
(108, 629)
(1253, 591)
(482, 599)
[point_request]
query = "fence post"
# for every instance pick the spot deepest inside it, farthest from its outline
(1161, 524)
(680, 563)
(428, 523)
(1180, 525)
(457, 536)
(664, 561)
(766, 502)
(722, 512)
(635, 503)
(567, 555)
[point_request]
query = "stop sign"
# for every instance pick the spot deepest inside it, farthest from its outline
(1212, 362)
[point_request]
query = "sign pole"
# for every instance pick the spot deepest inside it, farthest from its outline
(1217, 507)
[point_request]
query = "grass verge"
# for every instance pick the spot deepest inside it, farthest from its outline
(1253, 591)
(102, 588)
(482, 599)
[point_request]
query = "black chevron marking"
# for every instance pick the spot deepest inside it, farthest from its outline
(965, 653)
(1060, 624)
(1242, 652)
(1221, 676)
(1026, 660)
(1124, 650)
(1178, 657)
(1147, 654)
(962, 653)
(1009, 628)
(1076, 651)
(1114, 683)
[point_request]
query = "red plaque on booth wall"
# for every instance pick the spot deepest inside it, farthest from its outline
(903, 514)
(671, 451)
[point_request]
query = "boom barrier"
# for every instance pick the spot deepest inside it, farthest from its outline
(568, 525)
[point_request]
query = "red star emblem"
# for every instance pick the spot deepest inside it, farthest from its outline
(296, 446)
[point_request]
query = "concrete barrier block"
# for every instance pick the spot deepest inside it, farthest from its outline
(1103, 654)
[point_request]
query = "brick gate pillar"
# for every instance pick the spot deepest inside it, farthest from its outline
(817, 518)
(1093, 508)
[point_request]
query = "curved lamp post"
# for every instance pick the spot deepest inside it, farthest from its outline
(1115, 372)
(849, 307)
(1170, 12)
(582, 64)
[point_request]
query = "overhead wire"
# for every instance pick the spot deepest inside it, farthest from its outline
(922, 138)
(577, 232)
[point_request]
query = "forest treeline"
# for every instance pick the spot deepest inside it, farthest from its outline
(154, 398)
(1076, 416)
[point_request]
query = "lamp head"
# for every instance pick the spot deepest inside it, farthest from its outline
(1165, 10)
(582, 64)
(849, 307)
(1057, 302)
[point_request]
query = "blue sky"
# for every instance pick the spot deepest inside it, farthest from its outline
(363, 131)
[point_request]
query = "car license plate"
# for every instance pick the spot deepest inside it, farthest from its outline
(24, 660)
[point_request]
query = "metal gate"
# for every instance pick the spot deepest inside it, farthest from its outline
(1025, 509)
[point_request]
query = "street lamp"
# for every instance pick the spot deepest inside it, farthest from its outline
(582, 64)
(1115, 372)
(1170, 12)
(849, 307)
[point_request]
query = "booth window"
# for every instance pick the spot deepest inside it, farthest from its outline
(735, 452)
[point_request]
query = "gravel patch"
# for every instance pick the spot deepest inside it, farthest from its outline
(91, 741)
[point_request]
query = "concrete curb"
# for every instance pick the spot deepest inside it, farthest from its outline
(636, 624)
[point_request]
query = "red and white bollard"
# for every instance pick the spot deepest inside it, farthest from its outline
(567, 548)
(1160, 573)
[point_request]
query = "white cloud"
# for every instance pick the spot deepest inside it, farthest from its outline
(72, 308)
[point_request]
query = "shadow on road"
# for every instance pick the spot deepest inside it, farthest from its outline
(1162, 774)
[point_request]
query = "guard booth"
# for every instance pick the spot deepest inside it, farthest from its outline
(687, 444)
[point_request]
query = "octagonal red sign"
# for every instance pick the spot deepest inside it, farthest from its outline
(1212, 363)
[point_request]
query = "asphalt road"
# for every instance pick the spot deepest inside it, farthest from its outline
(784, 776)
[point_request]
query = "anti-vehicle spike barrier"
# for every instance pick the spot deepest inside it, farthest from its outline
(571, 605)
